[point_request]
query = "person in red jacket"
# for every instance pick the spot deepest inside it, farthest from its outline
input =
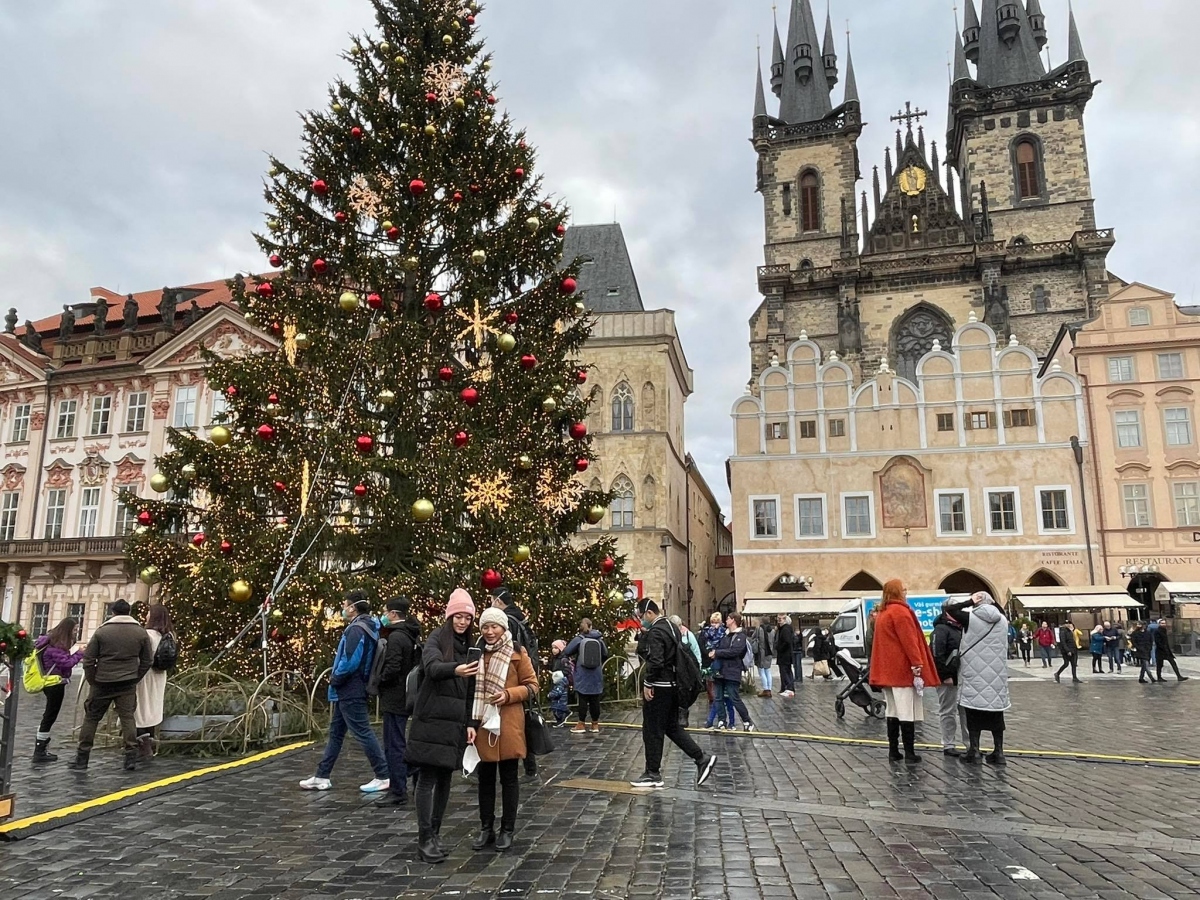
(902, 667)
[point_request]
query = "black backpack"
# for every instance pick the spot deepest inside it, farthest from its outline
(591, 656)
(167, 654)
(376, 674)
(687, 673)
(412, 683)
(527, 640)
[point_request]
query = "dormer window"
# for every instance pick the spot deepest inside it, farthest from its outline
(804, 63)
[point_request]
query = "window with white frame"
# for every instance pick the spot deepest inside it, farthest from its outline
(858, 519)
(1120, 368)
(952, 512)
(1187, 503)
(764, 513)
(66, 419)
(56, 510)
(1129, 428)
(810, 516)
(126, 519)
(78, 612)
(1003, 512)
(1138, 316)
(9, 504)
(20, 425)
(89, 512)
(1178, 426)
(185, 406)
(1136, 498)
(135, 412)
(41, 619)
(101, 415)
(1054, 504)
(1170, 365)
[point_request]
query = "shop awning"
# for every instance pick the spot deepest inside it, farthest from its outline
(1067, 598)
(1178, 592)
(797, 603)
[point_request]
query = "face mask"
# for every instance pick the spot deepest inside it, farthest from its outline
(346, 615)
(385, 622)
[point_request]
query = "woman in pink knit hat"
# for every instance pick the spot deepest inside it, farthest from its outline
(437, 734)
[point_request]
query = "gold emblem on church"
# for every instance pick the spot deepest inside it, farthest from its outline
(912, 180)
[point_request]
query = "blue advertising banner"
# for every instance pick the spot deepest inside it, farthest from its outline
(927, 607)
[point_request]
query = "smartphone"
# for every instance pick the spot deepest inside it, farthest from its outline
(474, 655)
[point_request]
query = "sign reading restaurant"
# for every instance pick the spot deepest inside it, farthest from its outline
(1161, 560)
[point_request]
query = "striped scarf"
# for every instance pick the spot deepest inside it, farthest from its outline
(494, 677)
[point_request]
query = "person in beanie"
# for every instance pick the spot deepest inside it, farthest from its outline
(657, 647)
(403, 634)
(116, 658)
(437, 735)
(506, 681)
(524, 638)
(348, 696)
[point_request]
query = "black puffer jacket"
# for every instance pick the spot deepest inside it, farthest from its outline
(401, 657)
(947, 637)
(1143, 645)
(437, 735)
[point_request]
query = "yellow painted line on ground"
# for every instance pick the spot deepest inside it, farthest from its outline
(96, 802)
(874, 742)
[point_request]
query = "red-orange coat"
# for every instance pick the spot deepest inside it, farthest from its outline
(522, 684)
(899, 645)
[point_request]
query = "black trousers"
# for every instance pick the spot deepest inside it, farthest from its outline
(1069, 659)
(660, 719)
(589, 704)
(1159, 665)
(54, 695)
(510, 790)
(433, 794)
(787, 682)
(123, 695)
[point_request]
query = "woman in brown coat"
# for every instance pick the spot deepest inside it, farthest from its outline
(497, 729)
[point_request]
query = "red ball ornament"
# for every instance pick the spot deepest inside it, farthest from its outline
(3, 646)
(446, 373)
(477, 93)
(560, 230)
(356, 133)
(578, 430)
(461, 439)
(568, 286)
(491, 580)
(528, 361)
(470, 20)
(272, 398)
(145, 518)
(518, 173)
(265, 290)
(431, 97)
(280, 487)
(22, 634)
(416, 187)
(226, 547)
(320, 187)
(360, 490)
(492, 99)
(374, 301)
(339, 217)
(511, 318)
(393, 234)
(469, 396)
(198, 539)
(608, 565)
(276, 328)
(365, 444)
(581, 376)
(276, 260)
(231, 391)
(581, 465)
(458, 197)
(475, 188)
(320, 266)
(266, 431)
(433, 302)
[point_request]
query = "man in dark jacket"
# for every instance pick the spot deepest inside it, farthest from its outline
(947, 638)
(523, 639)
(1069, 650)
(403, 634)
(348, 694)
(785, 643)
(116, 658)
(660, 710)
(1163, 652)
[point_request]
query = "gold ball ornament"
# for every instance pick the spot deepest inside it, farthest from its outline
(303, 341)
(456, 25)
(549, 405)
(521, 553)
(140, 530)
(240, 591)
(277, 613)
(385, 47)
(405, 128)
(337, 107)
(533, 223)
(271, 409)
(448, 39)
(273, 224)
(422, 511)
(386, 225)
(615, 596)
(580, 309)
(596, 514)
(399, 60)
(188, 471)
(460, 103)
(159, 482)
(479, 257)
(220, 435)
(348, 301)
(487, 65)
(431, 130)
(525, 462)
(487, 117)
(386, 397)
(411, 263)
(149, 575)
(505, 342)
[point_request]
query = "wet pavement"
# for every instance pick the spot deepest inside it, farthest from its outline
(780, 818)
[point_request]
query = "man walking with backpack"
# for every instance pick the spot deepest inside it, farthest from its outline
(403, 634)
(348, 693)
(671, 685)
(523, 639)
(589, 651)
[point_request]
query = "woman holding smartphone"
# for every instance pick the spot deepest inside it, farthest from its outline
(60, 655)
(497, 729)
(437, 735)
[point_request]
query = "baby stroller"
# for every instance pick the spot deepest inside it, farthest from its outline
(858, 691)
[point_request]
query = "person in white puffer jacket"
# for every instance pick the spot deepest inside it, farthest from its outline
(983, 672)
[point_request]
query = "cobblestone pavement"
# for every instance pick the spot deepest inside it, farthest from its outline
(779, 819)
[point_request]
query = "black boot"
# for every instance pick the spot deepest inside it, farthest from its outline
(429, 851)
(485, 838)
(996, 757)
(893, 732)
(972, 754)
(504, 841)
(40, 755)
(80, 762)
(908, 732)
(131, 759)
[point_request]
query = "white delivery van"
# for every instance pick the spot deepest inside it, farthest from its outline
(850, 627)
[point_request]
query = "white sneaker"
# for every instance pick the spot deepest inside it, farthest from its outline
(749, 726)
(376, 786)
(788, 694)
(316, 784)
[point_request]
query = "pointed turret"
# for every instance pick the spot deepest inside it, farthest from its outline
(851, 81)
(829, 54)
(970, 33)
(875, 186)
(920, 138)
(777, 65)
(1074, 44)
(887, 166)
(760, 96)
(805, 94)
(950, 187)
(900, 145)
(1037, 22)
(864, 228)
(933, 164)
(1008, 49)
(961, 72)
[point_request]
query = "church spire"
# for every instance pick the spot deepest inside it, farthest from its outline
(829, 53)
(961, 72)
(777, 64)
(1008, 47)
(851, 81)
(760, 95)
(1074, 44)
(805, 93)
(1037, 22)
(970, 33)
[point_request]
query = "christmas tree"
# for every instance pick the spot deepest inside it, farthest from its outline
(422, 426)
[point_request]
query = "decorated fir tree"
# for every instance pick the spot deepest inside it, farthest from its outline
(422, 425)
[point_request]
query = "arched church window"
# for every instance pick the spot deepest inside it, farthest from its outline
(622, 505)
(622, 408)
(1029, 180)
(809, 203)
(913, 336)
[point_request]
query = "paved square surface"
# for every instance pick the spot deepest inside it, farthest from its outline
(780, 818)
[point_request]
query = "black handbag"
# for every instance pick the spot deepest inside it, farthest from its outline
(537, 733)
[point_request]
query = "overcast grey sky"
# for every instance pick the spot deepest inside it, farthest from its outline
(135, 131)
